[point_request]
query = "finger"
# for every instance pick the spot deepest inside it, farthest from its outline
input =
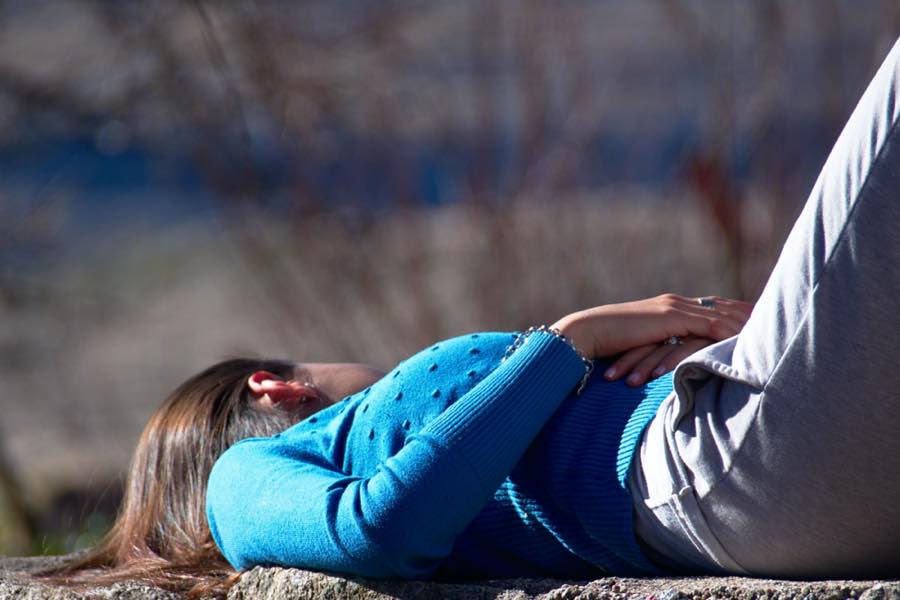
(722, 329)
(626, 362)
(641, 371)
(687, 323)
(734, 308)
(726, 327)
(721, 310)
(678, 354)
(724, 306)
(738, 313)
(705, 322)
(745, 308)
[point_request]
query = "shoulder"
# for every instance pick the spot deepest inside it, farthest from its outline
(472, 355)
(482, 345)
(446, 369)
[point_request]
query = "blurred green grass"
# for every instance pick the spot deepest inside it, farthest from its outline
(85, 535)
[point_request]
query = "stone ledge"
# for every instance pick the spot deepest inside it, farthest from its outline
(272, 583)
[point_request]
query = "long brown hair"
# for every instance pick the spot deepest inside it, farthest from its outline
(161, 535)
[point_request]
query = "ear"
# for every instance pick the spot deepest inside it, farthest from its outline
(271, 390)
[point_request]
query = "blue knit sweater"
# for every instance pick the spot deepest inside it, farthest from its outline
(456, 465)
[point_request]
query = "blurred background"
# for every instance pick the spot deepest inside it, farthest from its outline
(186, 181)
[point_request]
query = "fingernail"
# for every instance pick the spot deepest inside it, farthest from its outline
(658, 371)
(634, 378)
(610, 373)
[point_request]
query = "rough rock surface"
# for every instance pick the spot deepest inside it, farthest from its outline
(278, 583)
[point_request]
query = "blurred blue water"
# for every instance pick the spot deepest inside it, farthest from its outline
(372, 172)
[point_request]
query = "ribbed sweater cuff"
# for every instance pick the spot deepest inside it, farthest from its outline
(495, 422)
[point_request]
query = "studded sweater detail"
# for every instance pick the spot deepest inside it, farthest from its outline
(455, 465)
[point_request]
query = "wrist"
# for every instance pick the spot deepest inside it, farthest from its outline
(522, 338)
(570, 327)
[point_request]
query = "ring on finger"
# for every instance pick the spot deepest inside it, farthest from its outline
(707, 302)
(673, 341)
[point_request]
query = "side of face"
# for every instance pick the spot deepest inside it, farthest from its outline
(313, 386)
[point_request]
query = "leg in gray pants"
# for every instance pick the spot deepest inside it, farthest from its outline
(778, 454)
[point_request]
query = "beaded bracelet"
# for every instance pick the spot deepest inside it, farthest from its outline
(522, 338)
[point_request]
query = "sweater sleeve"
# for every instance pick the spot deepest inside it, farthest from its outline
(270, 503)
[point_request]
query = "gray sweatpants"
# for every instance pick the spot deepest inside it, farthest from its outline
(778, 454)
